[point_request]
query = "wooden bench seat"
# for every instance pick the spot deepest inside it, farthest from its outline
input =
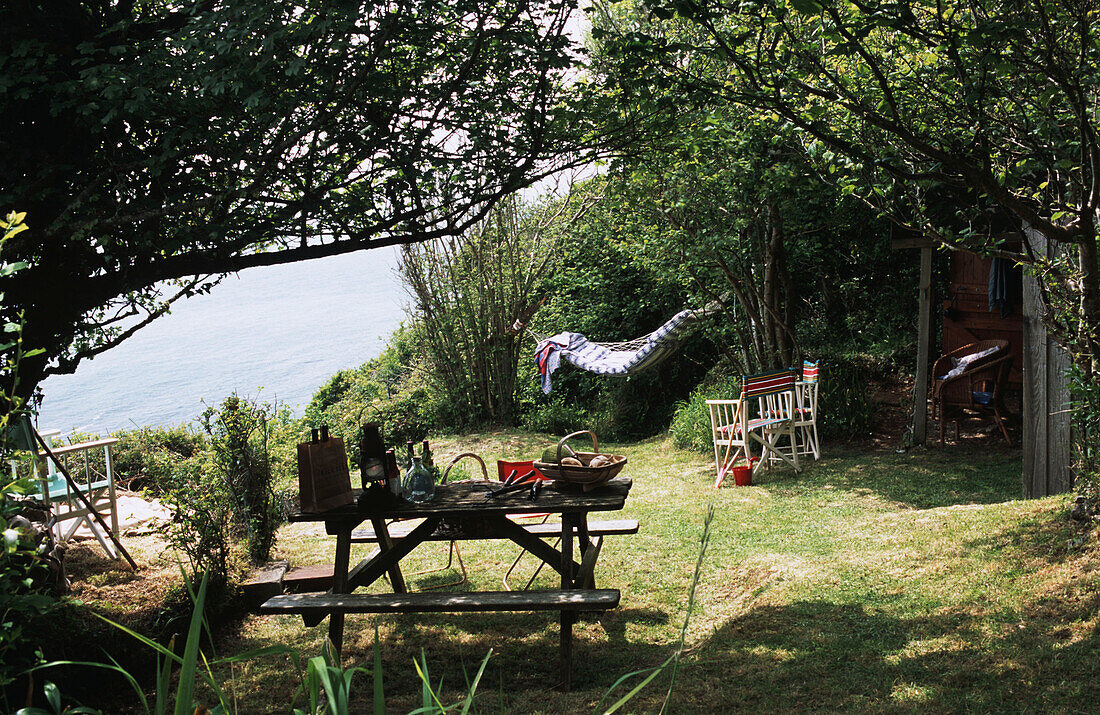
(399, 530)
(423, 602)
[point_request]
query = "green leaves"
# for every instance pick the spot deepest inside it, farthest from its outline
(154, 143)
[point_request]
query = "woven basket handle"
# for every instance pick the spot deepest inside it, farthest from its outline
(566, 438)
(484, 471)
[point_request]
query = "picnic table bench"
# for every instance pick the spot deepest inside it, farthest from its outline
(462, 511)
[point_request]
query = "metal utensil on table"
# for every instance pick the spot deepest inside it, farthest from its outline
(519, 484)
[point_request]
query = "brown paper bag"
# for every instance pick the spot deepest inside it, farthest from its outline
(323, 479)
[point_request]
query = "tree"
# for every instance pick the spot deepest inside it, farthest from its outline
(726, 188)
(468, 292)
(157, 147)
(960, 120)
(727, 197)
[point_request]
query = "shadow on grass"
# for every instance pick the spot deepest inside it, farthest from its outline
(920, 479)
(808, 655)
(1046, 536)
(828, 657)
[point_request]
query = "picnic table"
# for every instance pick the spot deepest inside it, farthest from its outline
(461, 511)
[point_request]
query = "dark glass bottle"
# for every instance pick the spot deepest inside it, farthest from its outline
(393, 473)
(372, 455)
(428, 461)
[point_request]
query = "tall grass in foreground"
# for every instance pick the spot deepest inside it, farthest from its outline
(326, 684)
(674, 659)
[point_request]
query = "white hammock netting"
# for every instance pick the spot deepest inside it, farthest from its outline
(624, 358)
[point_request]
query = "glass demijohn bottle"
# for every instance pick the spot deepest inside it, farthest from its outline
(419, 485)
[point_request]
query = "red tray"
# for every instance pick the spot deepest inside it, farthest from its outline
(505, 468)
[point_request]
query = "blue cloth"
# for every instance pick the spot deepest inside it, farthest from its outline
(1005, 286)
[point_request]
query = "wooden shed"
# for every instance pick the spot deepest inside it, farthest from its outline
(969, 315)
(1040, 364)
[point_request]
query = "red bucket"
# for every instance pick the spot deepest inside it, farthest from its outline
(742, 476)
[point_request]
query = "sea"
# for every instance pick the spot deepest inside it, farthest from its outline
(274, 333)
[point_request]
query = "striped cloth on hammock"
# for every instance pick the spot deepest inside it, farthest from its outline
(603, 360)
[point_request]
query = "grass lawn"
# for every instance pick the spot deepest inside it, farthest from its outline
(872, 581)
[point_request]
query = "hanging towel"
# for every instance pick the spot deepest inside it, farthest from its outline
(1005, 286)
(548, 357)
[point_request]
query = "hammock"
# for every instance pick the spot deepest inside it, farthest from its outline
(625, 358)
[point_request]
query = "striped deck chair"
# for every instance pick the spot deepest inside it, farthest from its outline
(805, 420)
(763, 415)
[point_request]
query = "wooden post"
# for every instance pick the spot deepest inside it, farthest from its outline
(1046, 438)
(924, 340)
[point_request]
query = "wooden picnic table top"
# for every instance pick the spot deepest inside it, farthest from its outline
(467, 498)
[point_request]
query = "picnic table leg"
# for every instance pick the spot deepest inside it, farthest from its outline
(566, 657)
(584, 543)
(385, 543)
(340, 585)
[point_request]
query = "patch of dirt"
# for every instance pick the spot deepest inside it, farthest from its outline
(132, 598)
(893, 407)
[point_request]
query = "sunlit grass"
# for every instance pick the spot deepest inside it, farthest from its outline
(870, 582)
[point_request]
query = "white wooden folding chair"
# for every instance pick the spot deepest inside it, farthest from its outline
(763, 415)
(95, 478)
(805, 416)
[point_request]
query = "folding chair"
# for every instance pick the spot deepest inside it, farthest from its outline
(453, 553)
(763, 415)
(805, 416)
(93, 477)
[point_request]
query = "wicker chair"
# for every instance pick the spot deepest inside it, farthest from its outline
(971, 379)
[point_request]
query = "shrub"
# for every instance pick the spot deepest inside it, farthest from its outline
(690, 427)
(241, 433)
(1086, 435)
(387, 390)
(845, 409)
(557, 417)
(25, 592)
(144, 458)
(201, 507)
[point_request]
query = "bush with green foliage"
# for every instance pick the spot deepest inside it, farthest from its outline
(201, 507)
(26, 593)
(388, 389)
(242, 434)
(690, 428)
(145, 458)
(227, 482)
(1086, 436)
(845, 408)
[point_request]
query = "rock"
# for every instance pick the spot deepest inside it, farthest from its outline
(1080, 509)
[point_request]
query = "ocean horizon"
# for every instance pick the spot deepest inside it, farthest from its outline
(273, 333)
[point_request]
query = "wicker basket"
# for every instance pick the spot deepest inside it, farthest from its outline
(588, 477)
